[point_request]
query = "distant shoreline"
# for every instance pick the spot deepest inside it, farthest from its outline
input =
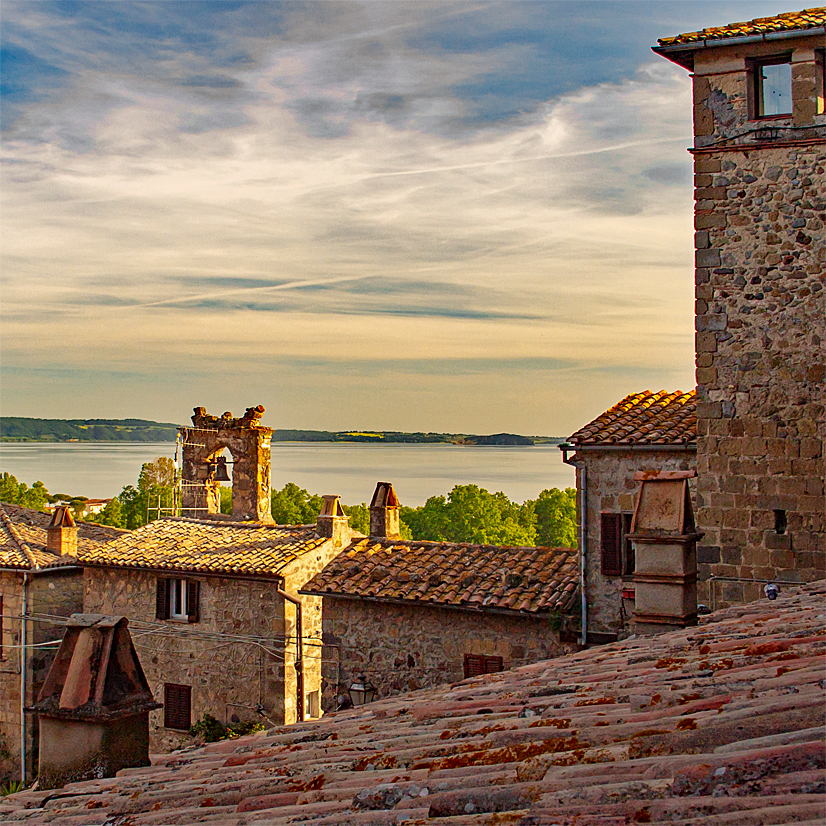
(18, 429)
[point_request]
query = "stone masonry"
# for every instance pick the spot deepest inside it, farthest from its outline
(760, 213)
(405, 647)
(248, 441)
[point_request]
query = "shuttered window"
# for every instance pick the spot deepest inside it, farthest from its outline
(476, 664)
(178, 599)
(611, 543)
(177, 706)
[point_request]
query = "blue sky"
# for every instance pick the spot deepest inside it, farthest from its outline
(470, 216)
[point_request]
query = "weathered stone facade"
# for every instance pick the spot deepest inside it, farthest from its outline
(610, 488)
(51, 593)
(402, 647)
(760, 190)
(249, 443)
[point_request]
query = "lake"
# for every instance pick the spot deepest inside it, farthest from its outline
(351, 469)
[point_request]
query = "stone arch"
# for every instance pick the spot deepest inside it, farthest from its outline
(248, 442)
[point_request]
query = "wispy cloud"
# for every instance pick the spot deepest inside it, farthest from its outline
(252, 184)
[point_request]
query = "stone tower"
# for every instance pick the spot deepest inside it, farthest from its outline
(760, 195)
(248, 441)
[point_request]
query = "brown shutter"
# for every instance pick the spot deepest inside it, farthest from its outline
(493, 664)
(611, 543)
(177, 706)
(193, 592)
(474, 665)
(162, 599)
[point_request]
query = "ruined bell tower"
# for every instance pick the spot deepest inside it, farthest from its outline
(203, 468)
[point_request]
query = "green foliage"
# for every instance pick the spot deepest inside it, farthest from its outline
(555, 511)
(226, 499)
(211, 730)
(359, 517)
(292, 505)
(22, 429)
(472, 514)
(19, 493)
(135, 506)
(11, 787)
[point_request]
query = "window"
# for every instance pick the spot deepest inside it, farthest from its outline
(773, 88)
(628, 555)
(177, 599)
(177, 706)
(313, 704)
(781, 523)
(476, 664)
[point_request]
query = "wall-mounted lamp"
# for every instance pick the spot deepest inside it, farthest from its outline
(362, 691)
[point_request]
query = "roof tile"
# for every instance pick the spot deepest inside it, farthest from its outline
(790, 21)
(524, 579)
(199, 546)
(644, 419)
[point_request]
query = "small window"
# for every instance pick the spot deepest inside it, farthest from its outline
(773, 89)
(476, 664)
(177, 706)
(313, 705)
(780, 522)
(177, 599)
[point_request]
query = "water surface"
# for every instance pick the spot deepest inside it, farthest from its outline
(350, 469)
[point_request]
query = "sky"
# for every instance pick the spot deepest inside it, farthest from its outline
(466, 217)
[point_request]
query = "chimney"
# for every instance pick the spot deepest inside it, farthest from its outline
(332, 521)
(61, 535)
(384, 512)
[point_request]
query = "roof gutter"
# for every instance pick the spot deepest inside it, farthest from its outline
(23, 643)
(736, 41)
(582, 478)
(690, 447)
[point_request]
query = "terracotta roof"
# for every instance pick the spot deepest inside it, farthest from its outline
(791, 21)
(208, 547)
(476, 577)
(644, 419)
(23, 538)
(722, 723)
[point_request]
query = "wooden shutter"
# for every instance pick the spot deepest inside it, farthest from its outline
(193, 593)
(493, 664)
(177, 706)
(474, 665)
(611, 543)
(162, 599)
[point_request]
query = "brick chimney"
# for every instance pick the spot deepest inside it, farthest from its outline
(384, 512)
(61, 535)
(332, 521)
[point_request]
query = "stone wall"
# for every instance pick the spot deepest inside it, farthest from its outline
(761, 322)
(611, 489)
(405, 647)
(57, 593)
(228, 677)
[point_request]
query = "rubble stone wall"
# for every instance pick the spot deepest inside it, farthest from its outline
(760, 190)
(611, 489)
(228, 677)
(406, 647)
(58, 593)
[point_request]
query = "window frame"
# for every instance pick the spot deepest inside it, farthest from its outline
(177, 696)
(757, 99)
(189, 593)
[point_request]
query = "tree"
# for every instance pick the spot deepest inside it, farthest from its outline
(19, 493)
(555, 512)
(292, 505)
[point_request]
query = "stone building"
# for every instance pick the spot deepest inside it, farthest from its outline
(407, 614)
(212, 602)
(40, 582)
(643, 432)
(760, 195)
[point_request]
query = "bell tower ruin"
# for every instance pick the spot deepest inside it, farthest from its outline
(203, 467)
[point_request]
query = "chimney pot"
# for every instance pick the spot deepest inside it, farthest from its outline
(332, 522)
(384, 512)
(61, 535)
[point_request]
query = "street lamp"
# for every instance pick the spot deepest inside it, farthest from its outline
(362, 691)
